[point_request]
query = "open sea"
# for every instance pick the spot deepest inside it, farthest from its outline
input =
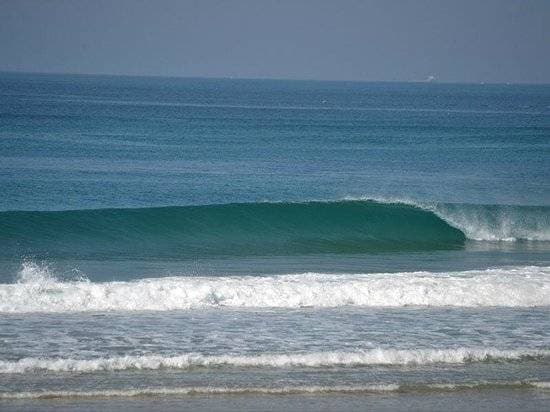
(220, 244)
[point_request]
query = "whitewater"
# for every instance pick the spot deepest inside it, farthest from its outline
(38, 291)
(312, 360)
(294, 390)
(493, 223)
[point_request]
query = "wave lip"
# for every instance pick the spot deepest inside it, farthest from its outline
(526, 286)
(493, 223)
(497, 223)
(266, 229)
(378, 356)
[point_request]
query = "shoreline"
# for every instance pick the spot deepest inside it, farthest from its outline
(493, 399)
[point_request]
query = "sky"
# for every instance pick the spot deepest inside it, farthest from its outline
(497, 41)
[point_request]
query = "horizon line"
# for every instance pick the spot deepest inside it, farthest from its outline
(293, 79)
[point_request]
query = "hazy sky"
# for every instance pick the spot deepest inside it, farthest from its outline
(455, 41)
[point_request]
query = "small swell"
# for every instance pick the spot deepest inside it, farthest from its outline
(199, 391)
(377, 356)
(294, 390)
(286, 390)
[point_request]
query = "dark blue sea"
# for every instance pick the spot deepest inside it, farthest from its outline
(224, 244)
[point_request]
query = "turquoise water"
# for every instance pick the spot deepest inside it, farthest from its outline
(279, 229)
(257, 238)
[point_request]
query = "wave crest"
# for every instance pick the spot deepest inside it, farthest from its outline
(493, 223)
(377, 356)
(497, 223)
(265, 229)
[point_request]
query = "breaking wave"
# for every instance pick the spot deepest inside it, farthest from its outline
(377, 356)
(248, 229)
(497, 223)
(265, 229)
(39, 291)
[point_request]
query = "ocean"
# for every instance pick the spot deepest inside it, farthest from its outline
(225, 244)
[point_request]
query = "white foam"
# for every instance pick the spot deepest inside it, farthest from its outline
(285, 390)
(207, 390)
(377, 356)
(503, 223)
(525, 286)
(485, 223)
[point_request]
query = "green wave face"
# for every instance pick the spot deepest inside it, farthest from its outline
(225, 230)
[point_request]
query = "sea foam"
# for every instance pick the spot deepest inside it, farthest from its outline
(525, 286)
(377, 356)
(283, 390)
(206, 390)
(494, 223)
